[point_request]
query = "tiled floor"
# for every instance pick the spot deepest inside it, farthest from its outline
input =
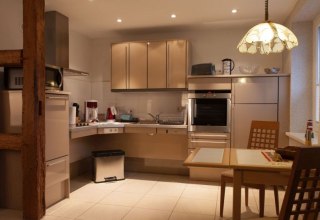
(149, 197)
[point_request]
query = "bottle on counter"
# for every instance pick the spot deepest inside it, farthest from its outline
(309, 133)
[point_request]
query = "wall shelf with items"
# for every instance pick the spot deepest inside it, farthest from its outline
(239, 75)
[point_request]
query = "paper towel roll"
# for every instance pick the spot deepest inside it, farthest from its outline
(72, 115)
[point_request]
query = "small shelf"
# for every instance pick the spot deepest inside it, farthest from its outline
(239, 75)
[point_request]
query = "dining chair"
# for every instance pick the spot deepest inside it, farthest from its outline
(263, 135)
(302, 196)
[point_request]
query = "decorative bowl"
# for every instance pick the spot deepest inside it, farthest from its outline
(249, 69)
(273, 70)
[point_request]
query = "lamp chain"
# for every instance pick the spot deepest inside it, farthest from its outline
(266, 15)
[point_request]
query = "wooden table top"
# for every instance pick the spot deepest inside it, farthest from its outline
(249, 159)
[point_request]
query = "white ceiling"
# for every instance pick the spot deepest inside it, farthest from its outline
(97, 18)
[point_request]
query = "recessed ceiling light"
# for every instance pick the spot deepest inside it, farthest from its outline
(173, 16)
(234, 11)
(119, 20)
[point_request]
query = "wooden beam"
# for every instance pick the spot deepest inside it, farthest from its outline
(33, 114)
(11, 57)
(10, 142)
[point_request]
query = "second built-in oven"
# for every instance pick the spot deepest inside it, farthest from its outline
(209, 111)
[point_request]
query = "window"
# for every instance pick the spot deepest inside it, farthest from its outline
(317, 77)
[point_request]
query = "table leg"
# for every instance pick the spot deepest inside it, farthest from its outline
(236, 214)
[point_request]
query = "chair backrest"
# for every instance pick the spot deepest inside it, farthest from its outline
(263, 135)
(302, 197)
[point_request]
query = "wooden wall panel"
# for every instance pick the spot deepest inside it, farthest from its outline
(33, 114)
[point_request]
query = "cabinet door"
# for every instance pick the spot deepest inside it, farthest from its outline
(119, 65)
(157, 65)
(138, 65)
(177, 63)
(56, 126)
(243, 114)
(256, 90)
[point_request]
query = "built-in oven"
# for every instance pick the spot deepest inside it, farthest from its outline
(209, 111)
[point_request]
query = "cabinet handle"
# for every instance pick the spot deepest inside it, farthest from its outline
(168, 64)
(151, 134)
(210, 142)
(55, 163)
(57, 97)
(127, 66)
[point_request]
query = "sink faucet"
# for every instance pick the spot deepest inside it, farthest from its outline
(156, 117)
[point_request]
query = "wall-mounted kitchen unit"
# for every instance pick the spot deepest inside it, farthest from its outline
(56, 148)
(149, 65)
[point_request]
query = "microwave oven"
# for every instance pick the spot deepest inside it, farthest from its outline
(13, 78)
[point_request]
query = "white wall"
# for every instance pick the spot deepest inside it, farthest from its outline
(206, 46)
(301, 77)
(11, 24)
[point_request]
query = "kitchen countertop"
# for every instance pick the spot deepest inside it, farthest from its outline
(121, 125)
(299, 137)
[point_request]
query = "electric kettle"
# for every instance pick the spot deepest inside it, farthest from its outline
(227, 66)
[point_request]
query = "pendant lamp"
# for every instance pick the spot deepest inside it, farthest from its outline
(267, 37)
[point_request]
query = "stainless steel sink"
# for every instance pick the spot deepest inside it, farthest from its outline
(171, 122)
(148, 122)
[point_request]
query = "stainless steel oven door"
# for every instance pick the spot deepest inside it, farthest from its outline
(209, 112)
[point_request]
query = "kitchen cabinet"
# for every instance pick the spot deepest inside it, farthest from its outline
(157, 65)
(254, 98)
(149, 65)
(137, 76)
(256, 90)
(119, 65)
(177, 63)
(178, 131)
(140, 130)
(243, 114)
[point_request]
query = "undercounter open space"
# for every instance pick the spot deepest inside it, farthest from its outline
(143, 196)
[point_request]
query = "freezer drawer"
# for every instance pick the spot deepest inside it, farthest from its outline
(57, 170)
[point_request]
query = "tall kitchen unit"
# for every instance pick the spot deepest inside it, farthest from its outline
(56, 148)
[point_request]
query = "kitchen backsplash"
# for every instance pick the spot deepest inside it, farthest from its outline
(167, 104)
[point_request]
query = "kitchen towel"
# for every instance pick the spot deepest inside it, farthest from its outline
(72, 115)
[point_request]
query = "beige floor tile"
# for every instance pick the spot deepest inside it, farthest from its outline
(174, 178)
(145, 176)
(11, 214)
(201, 193)
(197, 206)
(166, 203)
(107, 186)
(136, 186)
(104, 212)
(167, 189)
(147, 214)
(48, 217)
(122, 198)
(188, 216)
(71, 208)
(90, 193)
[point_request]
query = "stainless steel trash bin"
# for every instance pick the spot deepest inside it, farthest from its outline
(108, 165)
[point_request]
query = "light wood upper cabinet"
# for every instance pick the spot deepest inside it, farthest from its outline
(177, 62)
(149, 65)
(157, 65)
(119, 65)
(137, 65)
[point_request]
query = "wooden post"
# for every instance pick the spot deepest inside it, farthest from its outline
(33, 117)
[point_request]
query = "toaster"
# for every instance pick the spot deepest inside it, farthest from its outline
(203, 69)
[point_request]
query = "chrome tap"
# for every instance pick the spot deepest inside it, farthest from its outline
(156, 117)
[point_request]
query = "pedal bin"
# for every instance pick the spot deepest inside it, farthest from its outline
(108, 165)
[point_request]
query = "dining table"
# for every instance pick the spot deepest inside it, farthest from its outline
(250, 166)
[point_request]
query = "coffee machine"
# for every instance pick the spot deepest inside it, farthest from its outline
(91, 110)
